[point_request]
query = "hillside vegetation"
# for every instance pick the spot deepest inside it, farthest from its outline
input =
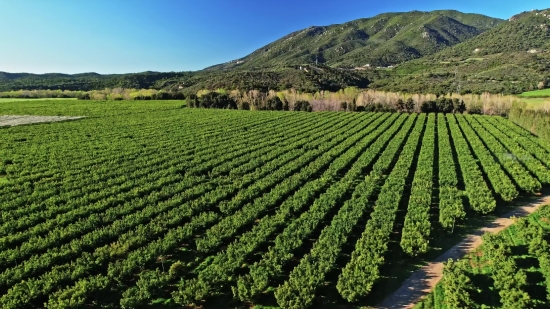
(513, 57)
(383, 40)
(414, 52)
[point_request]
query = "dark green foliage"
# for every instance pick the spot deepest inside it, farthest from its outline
(409, 105)
(400, 105)
(459, 106)
(428, 107)
(475, 109)
(302, 106)
(216, 100)
(192, 101)
(244, 106)
(343, 106)
(445, 105)
(286, 106)
(84, 96)
(274, 104)
(379, 107)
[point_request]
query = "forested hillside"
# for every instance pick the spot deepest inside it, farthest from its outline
(414, 52)
(511, 58)
(382, 40)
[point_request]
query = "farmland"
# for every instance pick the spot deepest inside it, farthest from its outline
(150, 204)
(545, 93)
(510, 270)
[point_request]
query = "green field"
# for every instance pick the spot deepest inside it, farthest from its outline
(510, 270)
(544, 93)
(147, 204)
(5, 100)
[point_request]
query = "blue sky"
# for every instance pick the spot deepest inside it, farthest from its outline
(123, 36)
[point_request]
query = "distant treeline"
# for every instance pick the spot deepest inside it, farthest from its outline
(347, 99)
(280, 102)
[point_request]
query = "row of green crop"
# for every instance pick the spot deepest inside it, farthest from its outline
(508, 279)
(415, 235)
(82, 152)
(86, 183)
(519, 174)
(507, 263)
(479, 194)
(502, 185)
(81, 221)
(75, 230)
(363, 270)
(141, 257)
(451, 207)
(307, 277)
(270, 266)
(158, 209)
(219, 271)
(536, 147)
(286, 184)
(532, 164)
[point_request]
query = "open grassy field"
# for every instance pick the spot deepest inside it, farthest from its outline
(5, 100)
(147, 204)
(544, 93)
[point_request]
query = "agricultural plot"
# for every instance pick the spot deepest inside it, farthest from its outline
(510, 270)
(147, 204)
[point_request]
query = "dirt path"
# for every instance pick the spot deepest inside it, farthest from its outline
(424, 280)
(15, 120)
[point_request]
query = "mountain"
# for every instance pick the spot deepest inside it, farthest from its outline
(513, 57)
(528, 31)
(383, 40)
(431, 52)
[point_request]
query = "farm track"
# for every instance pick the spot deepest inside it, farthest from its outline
(17, 120)
(424, 280)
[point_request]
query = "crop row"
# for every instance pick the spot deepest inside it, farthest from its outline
(502, 184)
(479, 194)
(165, 223)
(451, 207)
(532, 164)
(363, 270)
(416, 229)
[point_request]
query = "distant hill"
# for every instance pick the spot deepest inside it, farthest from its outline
(84, 81)
(513, 57)
(302, 78)
(382, 40)
(528, 31)
(414, 52)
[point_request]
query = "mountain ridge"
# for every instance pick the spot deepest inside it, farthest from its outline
(417, 52)
(401, 35)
